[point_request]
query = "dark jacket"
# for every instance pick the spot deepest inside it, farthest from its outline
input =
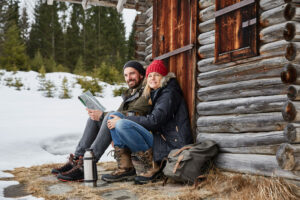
(134, 102)
(168, 120)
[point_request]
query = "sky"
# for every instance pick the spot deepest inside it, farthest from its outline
(128, 14)
(35, 130)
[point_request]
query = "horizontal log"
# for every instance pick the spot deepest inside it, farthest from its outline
(244, 139)
(264, 149)
(271, 48)
(293, 92)
(265, 165)
(292, 133)
(292, 51)
(206, 51)
(206, 65)
(206, 3)
(207, 13)
(259, 87)
(206, 26)
(269, 4)
(242, 105)
(266, 68)
(291, 111)
(290, 74)
(206, 38)
(261, 122)
(278, 15)
(288, 156)
(289, 31)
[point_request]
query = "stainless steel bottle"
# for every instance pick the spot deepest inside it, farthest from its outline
(90, 168)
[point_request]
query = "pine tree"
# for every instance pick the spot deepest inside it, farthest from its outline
(24, 25)
(46, 33)
(131, 44)
(13, 51)
(65, 90)
(79, 68)
(73, 37)
(37, 62)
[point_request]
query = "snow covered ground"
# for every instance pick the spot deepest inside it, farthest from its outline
(35, 129)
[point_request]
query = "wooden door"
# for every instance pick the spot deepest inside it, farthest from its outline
(174, 41)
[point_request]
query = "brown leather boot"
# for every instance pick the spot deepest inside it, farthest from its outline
(125, 169)
(146, 169)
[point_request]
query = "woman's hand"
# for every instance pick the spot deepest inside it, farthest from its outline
(94, 114)
(111, 123)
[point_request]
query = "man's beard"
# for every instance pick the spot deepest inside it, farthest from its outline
(136, 84)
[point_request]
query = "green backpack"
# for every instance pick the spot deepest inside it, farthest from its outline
(190, 162)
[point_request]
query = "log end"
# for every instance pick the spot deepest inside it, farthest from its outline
(291, 92)
(285, 157)
(289, 111)
(289, 74)
(289, 12)
(289, 31)
(290, 133)
(290, 52)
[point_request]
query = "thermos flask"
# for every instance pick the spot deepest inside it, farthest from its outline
(90, 168)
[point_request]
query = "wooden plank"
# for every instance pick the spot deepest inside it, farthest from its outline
(267, 68)
(242, 105)
(175, 52)
(251, 88)
(264, 165)
(241, 123)
(288, 156)
(227, 140)
(233, 7)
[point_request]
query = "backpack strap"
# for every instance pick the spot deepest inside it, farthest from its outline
(181, 150)
(177, 163)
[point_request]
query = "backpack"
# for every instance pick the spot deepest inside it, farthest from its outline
(191, 161)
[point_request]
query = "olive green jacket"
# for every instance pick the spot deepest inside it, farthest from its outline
(134, 101)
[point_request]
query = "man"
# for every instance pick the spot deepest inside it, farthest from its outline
(96, 134)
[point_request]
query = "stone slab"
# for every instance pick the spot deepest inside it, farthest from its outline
(58, 189)
(119, 195)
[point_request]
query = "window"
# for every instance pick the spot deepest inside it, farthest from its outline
(236, 30)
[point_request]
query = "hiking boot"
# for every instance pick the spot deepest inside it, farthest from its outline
(147, 170)
(66, 167)
(74, 174)
(125, 169)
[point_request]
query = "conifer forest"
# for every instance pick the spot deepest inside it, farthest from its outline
(64, 37)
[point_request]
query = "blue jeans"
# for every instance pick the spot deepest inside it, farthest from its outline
(128, 134)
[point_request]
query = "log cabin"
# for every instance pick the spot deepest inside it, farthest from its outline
(237, 62)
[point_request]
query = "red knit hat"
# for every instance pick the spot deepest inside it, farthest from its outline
(157, 66)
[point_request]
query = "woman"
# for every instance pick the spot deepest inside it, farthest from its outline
(168, 124)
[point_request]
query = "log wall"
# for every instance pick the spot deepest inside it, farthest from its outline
(249, 106)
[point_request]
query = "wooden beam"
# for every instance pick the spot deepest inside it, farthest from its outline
(265, 165)
(292, 133)
(233, 140)
(175, 52)
(288, 156)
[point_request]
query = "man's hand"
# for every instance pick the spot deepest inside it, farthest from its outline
(94, 114)
(112, 122)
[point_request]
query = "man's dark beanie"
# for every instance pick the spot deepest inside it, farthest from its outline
(136, 65)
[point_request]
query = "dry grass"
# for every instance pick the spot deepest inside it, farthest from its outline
(218, 185)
